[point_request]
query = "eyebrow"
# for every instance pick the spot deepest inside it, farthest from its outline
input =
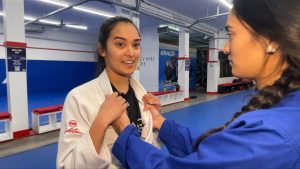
(119, 37)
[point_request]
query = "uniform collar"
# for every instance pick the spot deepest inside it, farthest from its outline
(106, 88)
(291, 100)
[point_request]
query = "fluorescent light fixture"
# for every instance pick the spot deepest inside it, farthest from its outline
(170, 26)
(49, 22)
(229, 5)
(55, 3)
(76, 26)
(28, 18)
(79, 8)
(93, 12)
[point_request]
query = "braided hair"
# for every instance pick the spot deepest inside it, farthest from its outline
(279, 21)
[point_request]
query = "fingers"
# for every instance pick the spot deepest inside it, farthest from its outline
(119, 98)
(152, 109)
(115, 94)
(151, 99)
(115, 101)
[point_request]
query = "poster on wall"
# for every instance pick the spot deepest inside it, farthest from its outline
(16, 59)
(168, 71)
(187, 65)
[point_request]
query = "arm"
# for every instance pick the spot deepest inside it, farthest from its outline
(245, 146)
(177, 139)
(112, 107)
(79, 143)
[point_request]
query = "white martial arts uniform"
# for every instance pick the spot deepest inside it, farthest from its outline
(75, 148)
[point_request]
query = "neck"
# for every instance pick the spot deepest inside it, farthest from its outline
(269, 79)
(120, 82)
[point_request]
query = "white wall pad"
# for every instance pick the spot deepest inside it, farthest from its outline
(52, 113)
(169, 97)
(5, 132)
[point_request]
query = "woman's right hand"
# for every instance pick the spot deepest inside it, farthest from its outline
(112, 108)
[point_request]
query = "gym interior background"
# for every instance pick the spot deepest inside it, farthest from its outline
(181, 45)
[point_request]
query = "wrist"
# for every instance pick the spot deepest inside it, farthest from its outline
(102, 122)
(120, 127)
(159, 123)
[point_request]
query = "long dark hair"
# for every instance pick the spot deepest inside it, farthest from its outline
(104, 33)
(279, 21)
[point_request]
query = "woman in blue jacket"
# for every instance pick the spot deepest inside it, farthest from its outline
(263, 45)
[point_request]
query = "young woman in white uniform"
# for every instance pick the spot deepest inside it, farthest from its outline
(86, 138)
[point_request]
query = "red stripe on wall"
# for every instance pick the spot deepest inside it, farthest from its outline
(212, 92)
(66, 50)
(184, 58)
(15, 44)
(24, 45)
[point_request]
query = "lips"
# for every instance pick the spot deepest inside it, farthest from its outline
(129, 63)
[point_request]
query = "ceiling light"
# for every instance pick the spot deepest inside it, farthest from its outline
(78, 8)
(93, 12)
(55, 3)
(29, 18)
(229, 5)
(76, 26)
(49, 22)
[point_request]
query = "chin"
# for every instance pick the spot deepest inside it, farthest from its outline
(128, 74)
(236, 74)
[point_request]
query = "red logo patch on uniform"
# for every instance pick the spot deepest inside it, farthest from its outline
(72, 124)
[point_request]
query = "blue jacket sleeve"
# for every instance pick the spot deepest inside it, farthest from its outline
(177, 139)
(247, 146)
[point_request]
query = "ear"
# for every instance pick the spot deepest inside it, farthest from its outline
(100, 50)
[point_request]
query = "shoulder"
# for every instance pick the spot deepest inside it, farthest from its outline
(270, 124)
(85, 87)
(284, 117)
(85, 90)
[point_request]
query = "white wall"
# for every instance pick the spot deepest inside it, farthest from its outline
(149, 63)
(58, 45)
(222, 38)
(213, 65)
(66, 51)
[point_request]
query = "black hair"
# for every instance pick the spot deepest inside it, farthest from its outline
(277, 20)
(104, 33)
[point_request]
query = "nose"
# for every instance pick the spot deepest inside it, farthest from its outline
(130, 51)
(226, 48)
